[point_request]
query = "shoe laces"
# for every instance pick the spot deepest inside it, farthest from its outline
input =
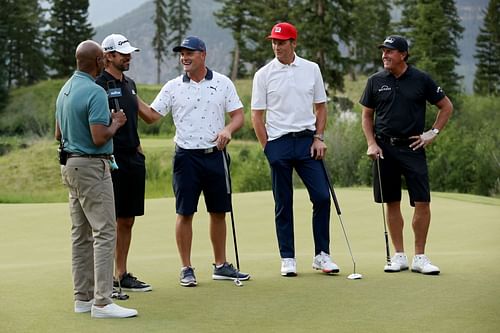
(424, 260)
(288, 261)
(324, 257)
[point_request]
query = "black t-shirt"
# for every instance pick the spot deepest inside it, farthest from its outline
(126, 138)
(400, 103)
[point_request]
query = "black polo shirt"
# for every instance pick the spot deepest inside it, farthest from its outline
(400, 103)
(126, 138)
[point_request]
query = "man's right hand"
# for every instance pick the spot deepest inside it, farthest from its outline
(374, 151)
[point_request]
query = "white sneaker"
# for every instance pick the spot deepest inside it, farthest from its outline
(422, 264)
(83, 306)
(399, 262)
(324, 262)
(112, 311)
(288, 267)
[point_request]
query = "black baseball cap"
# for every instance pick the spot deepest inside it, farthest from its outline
(192, 43)
(395, 42)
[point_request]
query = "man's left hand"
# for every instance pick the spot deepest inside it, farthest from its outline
(422, 140)
(318, 149)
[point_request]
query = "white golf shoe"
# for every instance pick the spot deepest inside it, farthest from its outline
(83, 306)
(422, 264)
(324, 262)
(399, 262)
(112, 310)
(288, 267)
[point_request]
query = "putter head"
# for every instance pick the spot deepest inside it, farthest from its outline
(355, 276)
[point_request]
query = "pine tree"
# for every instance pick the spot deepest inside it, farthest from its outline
(22, 42)
(68, 26)
(365, 57)
(232, 16)
(433, 29)
(313, 20)
(179, 20)
(160, 39)
(487, 79)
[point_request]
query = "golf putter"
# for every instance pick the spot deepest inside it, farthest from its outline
(120, 295)
(387, 267)
(237, 281)
(354, 275)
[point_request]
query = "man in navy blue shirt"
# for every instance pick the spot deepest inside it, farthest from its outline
(393, 121)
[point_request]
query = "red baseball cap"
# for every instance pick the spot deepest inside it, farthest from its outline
(283, 31)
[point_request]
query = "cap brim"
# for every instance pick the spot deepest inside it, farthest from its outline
(128, 50)
(279, 37)
(387, 46)
(180, 48)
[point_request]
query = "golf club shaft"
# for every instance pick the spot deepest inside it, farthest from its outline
(337, 207)
(387, 252)
(229, 193)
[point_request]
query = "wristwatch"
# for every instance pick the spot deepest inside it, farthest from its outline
(435, 131)
(320, 137)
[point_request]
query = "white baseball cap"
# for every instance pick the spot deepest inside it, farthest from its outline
(118, 43)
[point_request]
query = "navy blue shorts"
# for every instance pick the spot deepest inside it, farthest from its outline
(196, 171)
(401, 160)
(129, 183)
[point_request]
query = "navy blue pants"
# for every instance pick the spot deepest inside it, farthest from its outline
(285, 154)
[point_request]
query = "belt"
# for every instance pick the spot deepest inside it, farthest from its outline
(394, 141)
(101, 156)
(197, 151)
(301, 134)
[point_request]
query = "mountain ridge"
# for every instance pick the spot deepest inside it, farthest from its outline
(139, 29)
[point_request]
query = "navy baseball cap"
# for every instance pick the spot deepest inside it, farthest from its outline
(191, 43)
(395, 42)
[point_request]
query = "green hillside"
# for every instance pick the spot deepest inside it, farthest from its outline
(465, 157)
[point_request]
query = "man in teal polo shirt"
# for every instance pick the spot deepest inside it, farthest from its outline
(85, 128)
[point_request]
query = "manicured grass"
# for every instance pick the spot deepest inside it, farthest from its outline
(36, 292)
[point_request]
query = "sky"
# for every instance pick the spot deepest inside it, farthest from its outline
(104, 11)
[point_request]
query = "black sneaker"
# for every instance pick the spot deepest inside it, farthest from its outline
(187, 278)
(228, 272)
(131, 283)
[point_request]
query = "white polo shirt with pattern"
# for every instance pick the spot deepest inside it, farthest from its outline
(198, 108)
(288, 93)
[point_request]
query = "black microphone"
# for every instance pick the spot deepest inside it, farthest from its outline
(113, 94)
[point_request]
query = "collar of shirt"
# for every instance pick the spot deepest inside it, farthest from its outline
(208, 76)
(280, 65)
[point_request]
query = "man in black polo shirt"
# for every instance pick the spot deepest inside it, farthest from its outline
(130, 177)
(397, 97)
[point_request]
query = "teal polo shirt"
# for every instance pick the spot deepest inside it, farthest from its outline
(80, 104)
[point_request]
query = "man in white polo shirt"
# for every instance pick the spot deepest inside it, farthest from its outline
(286, 89)
(199, 100)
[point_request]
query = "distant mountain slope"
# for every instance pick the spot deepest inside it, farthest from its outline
(138, 27)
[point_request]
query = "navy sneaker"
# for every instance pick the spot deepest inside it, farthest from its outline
(187, 277)
(228, 272)
(131, 283)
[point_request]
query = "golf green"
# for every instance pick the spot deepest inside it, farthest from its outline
(36, 286)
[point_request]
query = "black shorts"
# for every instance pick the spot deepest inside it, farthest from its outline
(401, 160)
(196, 171)
(129, 183)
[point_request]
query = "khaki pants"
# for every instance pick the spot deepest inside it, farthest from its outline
(93, 232)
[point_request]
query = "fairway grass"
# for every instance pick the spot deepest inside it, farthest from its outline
(36, 286)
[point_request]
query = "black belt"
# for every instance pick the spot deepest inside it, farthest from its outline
(301, 134)
(197, 151)
(101, 156)
(394, 141)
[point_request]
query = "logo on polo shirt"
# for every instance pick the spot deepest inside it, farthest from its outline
(384, 88)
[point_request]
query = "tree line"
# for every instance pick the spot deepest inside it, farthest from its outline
(340, 35)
